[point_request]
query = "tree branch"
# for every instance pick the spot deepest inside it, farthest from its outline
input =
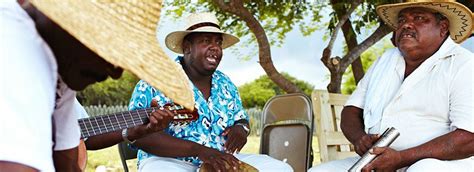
(327, 51)
(237, 8)
(381, 31)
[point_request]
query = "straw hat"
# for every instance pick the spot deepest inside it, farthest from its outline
(200, 22)
(123, 33)
(459, 16)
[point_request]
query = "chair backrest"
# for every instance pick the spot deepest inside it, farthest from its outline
(333, 145)
(287, 125)
(126, 153)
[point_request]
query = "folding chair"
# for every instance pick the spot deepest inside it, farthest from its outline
(287, 129)
(126, 153)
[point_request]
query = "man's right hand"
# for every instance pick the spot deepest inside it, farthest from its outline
(365, 142)
(218, 160)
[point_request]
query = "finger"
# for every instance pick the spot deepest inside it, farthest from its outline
(373, 138)
(232, 161)
(226, 131)
(227, 144)
(377, 150)
(239, 148)
(154, 103)
(368, 168)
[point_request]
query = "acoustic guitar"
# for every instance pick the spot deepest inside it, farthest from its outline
(126, 119)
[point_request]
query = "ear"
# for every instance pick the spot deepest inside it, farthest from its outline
(444, 27)
(186, 47)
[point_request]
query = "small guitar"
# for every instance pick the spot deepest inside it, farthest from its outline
(127, 119)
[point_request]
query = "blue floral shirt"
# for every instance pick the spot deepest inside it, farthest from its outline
(220, 111)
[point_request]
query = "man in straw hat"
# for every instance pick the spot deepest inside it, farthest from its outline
(223, 125)
(423, 88)
(38, 103)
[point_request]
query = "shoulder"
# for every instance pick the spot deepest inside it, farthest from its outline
(223, 78)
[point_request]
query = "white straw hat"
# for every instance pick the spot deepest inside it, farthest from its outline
(199, 22)
(459, 16)
(123, 33)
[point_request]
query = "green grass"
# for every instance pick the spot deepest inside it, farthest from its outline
(110, 158)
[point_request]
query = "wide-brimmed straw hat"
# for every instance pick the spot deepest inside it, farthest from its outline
(123, 33)
(459, 16)
(198, 22)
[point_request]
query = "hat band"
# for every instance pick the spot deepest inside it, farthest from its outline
(193, 27)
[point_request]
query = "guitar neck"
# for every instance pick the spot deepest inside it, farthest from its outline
(113, 122)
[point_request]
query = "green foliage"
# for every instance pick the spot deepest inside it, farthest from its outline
(368, 57)
(276, 17)
(110, 91)
(257, 92)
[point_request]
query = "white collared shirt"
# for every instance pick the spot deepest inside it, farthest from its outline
(28, 80)
(435, 99)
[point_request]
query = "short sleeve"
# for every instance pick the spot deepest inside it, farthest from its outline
(67, 131)
(357, 97)
(239, 112)
(461, 109)
(141, 96)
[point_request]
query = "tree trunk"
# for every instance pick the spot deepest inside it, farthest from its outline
(351, 41)
(265, 59)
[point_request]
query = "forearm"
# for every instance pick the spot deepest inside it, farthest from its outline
(11, 166)
(162, 144)
(112, 138)
(66, 160)
(458, 144)
(352, 123)
(104, 140)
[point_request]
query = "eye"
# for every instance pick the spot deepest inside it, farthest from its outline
(207, 41)
(401, 20)
(219, 42)
(418, 18)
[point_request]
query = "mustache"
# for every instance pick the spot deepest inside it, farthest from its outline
(407, 32)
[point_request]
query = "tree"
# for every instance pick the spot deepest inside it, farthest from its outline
(278, 18)
(259, 91)
(110, 91)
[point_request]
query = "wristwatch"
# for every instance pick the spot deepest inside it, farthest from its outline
(244, 126)
(125, 136)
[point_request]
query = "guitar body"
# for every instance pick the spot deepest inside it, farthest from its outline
(82, 156)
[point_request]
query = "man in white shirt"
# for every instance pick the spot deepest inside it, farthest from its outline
(38, 103)
(423, 88)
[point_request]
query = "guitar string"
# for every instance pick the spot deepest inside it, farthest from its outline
(120, 123)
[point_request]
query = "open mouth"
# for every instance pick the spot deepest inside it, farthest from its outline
(211, 59)
(407, 35)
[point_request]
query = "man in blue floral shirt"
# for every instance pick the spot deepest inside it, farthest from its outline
(221, 130)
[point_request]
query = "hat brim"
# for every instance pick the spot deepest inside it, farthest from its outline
(123, 33)
(459, 16)
(174, 40)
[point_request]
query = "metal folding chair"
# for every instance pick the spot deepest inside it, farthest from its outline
(287, 130)
(126, 153)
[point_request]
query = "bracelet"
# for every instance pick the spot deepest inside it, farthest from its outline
(245, 127)
(125, 136)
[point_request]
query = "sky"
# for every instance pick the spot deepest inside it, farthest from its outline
(298, 55)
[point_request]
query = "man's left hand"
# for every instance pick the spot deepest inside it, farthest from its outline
(236, 138)
(387, 159)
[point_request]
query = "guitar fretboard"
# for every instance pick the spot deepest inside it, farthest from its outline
(117, 121)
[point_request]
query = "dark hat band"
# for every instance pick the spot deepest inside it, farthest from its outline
(193, 27)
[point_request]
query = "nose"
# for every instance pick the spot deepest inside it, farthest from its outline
(215, 46)
(406, 25)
